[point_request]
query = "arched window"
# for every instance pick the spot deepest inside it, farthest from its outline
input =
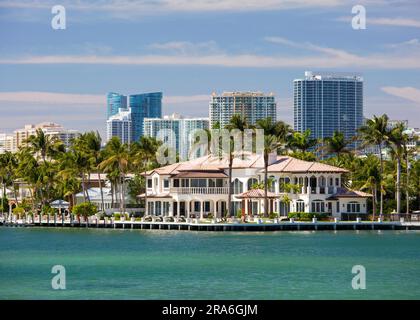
(313, 183)
(272, 184)
(237, 186)
(282, 182)
(322, 183)
(251, 182)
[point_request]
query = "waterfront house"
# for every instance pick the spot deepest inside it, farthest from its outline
(199, 187)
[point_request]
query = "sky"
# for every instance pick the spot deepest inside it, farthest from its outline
(190, 48)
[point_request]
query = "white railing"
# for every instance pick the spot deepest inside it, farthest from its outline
(200, 190)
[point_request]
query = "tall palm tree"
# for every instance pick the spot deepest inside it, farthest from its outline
(375, 132)
(237, 122)
(144, 152)
(118, 157)
(93, 147)
(371, 176)
(398, 140)
(8, 164)
(275, 136)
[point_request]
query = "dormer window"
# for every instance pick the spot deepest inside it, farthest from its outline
(149, 183)
(166, 183)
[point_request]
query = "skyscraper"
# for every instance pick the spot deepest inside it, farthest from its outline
(175, 131)
(145, 105)
(120, 125)
(115, 101)
(325, 103)
(252, 105)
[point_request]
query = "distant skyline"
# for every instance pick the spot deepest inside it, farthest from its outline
(189, 49)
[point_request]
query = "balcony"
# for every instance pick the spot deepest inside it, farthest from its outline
(200, 190)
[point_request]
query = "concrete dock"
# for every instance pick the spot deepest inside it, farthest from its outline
(193, 226)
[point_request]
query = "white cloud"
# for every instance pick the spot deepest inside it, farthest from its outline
(395, 22)
(183, 53)
(39, 97)
(331, 58)
(405, 44)
(51, 97)
(186, 47)
(385, 21)
(407, 93)
(146, 6)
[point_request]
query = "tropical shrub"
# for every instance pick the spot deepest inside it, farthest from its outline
(307, 216)
(4, 204)
(85, 209)
(19, 211)
(272, 215)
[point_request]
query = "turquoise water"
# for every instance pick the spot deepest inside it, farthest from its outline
(140, 264)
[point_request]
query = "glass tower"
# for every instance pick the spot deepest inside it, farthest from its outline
(145, 105)
(115, 101)
(325, 103)
(251, 105)
(176, 132)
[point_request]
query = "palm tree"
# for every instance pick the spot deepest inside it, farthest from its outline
(44, 145)
(375, 132)
(336, 145)
(143, 153)
(398, 140)
(7, 171)
(275, 135)
(371, 176)
(301, 141)
(9, 164)
(93, 147)
(118, 157)
(237, 122)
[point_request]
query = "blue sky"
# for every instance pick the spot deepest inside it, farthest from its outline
(188, 49)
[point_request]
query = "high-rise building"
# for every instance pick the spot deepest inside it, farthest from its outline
(251, 105)
(115, 102)
(175, 132)
(120, 125)
(19, 137)
(3, 137)
(325, 103)
(145, 105)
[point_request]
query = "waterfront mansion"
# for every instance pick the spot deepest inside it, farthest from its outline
(199, 187)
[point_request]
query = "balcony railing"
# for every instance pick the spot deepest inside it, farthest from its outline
(200, 190)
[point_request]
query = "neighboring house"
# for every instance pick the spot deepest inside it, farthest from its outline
(200, 186)
(95, 198)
